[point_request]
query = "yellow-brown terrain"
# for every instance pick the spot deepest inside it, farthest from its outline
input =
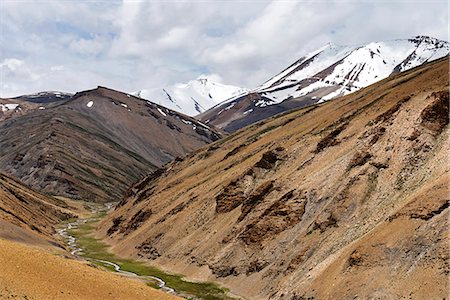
(346, 199)
(32, 273)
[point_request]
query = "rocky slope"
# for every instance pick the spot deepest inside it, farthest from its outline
(13, 108)
(326, 73)
(96, 144)
(345, 199)
(192, 98)
(26, 215)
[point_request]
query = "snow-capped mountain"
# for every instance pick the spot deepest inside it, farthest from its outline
(346, 69)
(193, 97)
(326, 73)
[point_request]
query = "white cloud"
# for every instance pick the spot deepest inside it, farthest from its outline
(57, 68)
(213, 77)
(132, 45)
(90, 47)
(16, 69)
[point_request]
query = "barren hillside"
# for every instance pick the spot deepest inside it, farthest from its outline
(95, 145)
(340, 200)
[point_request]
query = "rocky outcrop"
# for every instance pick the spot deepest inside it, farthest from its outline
(329, 139)
(435, 116)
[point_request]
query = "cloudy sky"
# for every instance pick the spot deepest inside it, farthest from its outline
(129, 45)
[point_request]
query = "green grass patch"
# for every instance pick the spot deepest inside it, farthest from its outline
(96, 249)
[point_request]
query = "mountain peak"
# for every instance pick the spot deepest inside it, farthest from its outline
(429, 40)
(193, 97)
(202, 80)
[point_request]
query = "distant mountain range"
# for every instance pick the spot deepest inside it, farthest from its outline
(321, 75)
(45, 97)
(191, 98)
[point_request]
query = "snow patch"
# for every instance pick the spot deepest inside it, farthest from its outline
(161, 112)
(90, 103)
(230, 106)
(207, 127)
(6, 107)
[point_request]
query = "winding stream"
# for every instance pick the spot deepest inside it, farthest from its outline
(75, 250)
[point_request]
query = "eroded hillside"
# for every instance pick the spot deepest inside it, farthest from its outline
(340, 200)
(28, 216)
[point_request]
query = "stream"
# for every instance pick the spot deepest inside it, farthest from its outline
(75, 250)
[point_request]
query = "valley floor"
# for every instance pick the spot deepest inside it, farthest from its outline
(79, 237)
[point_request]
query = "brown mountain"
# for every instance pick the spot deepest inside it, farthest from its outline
(340, 200)
(26, 215)
(96, 144)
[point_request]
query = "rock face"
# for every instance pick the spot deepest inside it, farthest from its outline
(344, 199)
(326, 73)
(95, 145)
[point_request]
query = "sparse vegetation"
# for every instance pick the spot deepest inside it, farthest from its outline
(95, 249)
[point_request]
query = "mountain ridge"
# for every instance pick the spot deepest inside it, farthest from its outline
(95, 144)
(323, 74)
